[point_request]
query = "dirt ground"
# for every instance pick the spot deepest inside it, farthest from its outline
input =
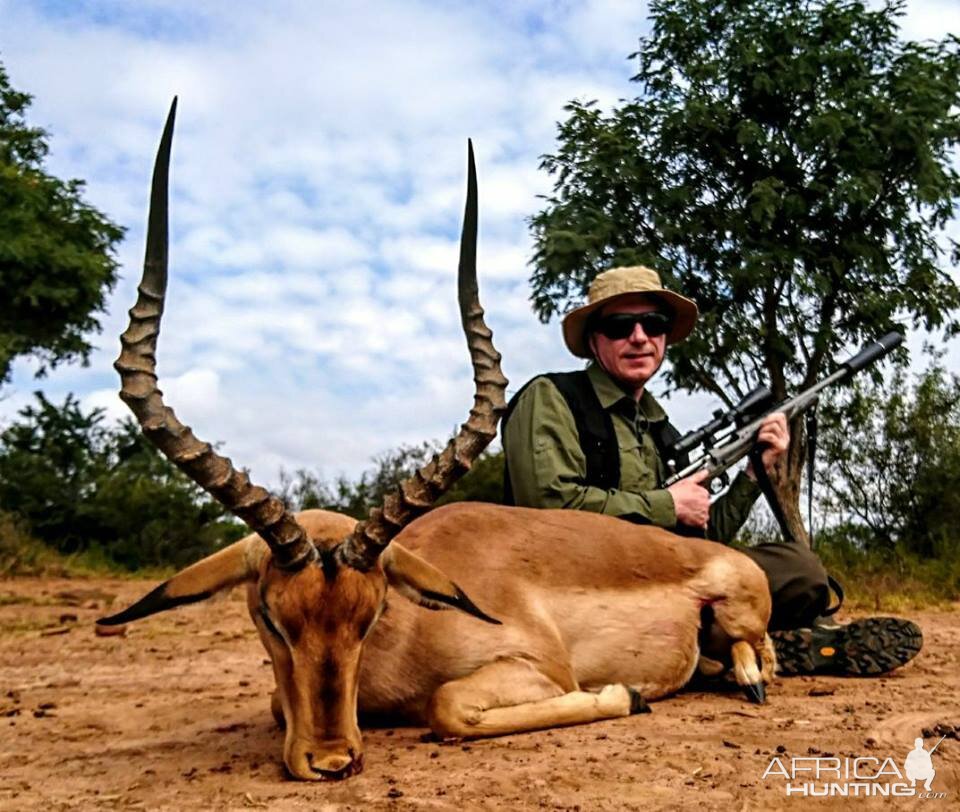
(175, 715)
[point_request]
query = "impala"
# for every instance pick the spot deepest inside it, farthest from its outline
(581, 617)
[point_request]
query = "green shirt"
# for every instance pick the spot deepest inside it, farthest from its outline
(548, 468)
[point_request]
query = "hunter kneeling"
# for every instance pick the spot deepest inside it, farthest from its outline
(594, 440)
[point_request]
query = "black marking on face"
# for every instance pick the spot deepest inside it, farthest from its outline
(330, 687)
(265, 617)
(329, 563)
(264, 611)
(155, 601)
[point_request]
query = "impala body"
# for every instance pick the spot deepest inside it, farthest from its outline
(588, 604)
(580, 617)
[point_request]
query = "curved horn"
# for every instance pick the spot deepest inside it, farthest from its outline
(416, 495)
(264, 513)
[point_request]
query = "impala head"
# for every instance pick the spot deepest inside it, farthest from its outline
(317, 581)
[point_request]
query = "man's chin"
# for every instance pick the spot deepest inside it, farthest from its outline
(636, 377)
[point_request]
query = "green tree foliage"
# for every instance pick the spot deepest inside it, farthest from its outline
(56, 252)
(76, 483)
(787, 164)
(305, 489)
(482, 483)
(895, 488)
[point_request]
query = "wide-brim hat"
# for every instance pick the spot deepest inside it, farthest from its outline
(616, 283)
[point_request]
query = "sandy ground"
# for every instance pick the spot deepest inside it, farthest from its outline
(175, 715)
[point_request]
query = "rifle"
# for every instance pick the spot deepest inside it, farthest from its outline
(934, 750)
(744, 419)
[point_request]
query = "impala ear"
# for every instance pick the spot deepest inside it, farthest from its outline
(230, 566)
(424, 584)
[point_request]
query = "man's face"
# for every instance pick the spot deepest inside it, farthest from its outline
(633, 360)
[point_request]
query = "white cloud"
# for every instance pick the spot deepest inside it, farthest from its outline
(197, 391)
(318, 179)
(930, 19)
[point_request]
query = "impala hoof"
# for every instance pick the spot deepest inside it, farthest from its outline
(637, 703)
(755, 692)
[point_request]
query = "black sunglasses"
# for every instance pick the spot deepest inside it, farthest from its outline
(620, 325)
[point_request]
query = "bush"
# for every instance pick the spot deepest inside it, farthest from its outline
(896, 476)
(82, 487)
(887, 580)
(482, 483)
(306, 489)
(20, 553)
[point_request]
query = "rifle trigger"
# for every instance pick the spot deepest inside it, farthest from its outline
(719, 483)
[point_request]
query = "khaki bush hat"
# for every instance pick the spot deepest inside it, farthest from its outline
(611, 285)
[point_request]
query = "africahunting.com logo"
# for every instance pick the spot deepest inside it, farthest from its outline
(865, 776)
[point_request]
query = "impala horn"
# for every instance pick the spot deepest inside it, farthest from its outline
(264, 513)
(416, 495)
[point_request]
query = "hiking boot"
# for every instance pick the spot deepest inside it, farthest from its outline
(866, 647)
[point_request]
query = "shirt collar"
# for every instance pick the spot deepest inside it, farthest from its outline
(610, 394)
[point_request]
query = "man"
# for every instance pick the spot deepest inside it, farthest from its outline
(593, 440)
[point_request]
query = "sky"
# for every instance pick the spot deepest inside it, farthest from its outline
(318, 180)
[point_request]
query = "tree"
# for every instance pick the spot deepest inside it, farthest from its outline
(788, 166)
(75, 484)
(56, 252)
(305, 489)
(482, 483)
(49, 460)
(899, 480)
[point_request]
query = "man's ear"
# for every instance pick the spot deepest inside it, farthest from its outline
(424, 584)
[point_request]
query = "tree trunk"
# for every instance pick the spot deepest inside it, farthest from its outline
(787, 478)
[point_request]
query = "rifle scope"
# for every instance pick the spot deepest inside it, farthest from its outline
(751, 405)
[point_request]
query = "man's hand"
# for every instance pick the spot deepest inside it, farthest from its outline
(774, 436)
(691, 500)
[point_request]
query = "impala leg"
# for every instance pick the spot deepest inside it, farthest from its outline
(709, 667)
(768, 659)
(747, 672)
(739, 600)
(276, 708)
(513, 696)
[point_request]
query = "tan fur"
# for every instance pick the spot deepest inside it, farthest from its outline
(230, 566)
(316, 665)
(586, 602)
(587, 605)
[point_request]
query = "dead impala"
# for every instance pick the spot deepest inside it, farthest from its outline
(588, 615)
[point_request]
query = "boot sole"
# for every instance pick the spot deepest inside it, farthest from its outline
(867, 647)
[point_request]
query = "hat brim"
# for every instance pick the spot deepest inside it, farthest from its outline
(684, 312)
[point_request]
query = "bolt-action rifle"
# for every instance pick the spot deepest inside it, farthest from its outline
(743, 421)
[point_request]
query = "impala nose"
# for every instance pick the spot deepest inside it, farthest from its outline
(334, 766)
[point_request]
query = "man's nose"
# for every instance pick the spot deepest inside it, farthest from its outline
(638, 336)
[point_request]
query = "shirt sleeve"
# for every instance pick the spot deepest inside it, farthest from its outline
(548, 468)
(730, 511)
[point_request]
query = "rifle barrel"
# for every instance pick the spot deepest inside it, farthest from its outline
(736, 445)
(934, 750)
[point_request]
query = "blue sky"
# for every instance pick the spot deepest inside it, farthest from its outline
(318, 180)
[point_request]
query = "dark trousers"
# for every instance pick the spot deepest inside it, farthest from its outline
(798, 583)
